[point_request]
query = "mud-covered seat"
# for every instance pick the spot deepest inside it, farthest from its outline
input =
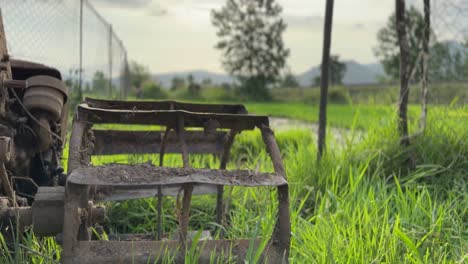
(123, 182)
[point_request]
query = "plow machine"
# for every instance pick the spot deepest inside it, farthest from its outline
(36, 193)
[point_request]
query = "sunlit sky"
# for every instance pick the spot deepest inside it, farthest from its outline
(168, 35)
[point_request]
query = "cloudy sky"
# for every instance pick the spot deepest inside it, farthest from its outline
(168, 35)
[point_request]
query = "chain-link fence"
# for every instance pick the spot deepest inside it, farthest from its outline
(450, 19)
(448, 59)
(69, 35)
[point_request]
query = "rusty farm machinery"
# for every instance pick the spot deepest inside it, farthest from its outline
(36, 192)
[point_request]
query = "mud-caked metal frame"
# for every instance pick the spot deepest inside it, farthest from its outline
(87, 183)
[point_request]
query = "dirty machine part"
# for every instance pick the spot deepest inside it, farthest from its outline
(33, 116)
(217, 127)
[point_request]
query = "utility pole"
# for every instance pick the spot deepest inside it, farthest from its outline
(324, 78)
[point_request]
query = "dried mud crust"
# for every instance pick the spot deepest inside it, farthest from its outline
(148, 173)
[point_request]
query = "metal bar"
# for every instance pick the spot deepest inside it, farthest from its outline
(167, 118)
(282, 231)
(77, 153)
(5, 66)
(160, 196)
(180, 129)
(110, 60)
(188, 188)
(163, 146)
(184, 217)
(224, 159)
(7, 188)
(4, 57)
(324, 78)
(71, 222)
(80, 86)
(167, 105)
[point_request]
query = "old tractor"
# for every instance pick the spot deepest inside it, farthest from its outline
(36, 192)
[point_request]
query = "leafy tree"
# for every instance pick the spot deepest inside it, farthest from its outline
(289, 81)
(207, 82)
(446, 64)
(177, 82)
(337, 72)
(250, 38)
(153, 90)
(190, 79)
(388, 49)
(73, 84)
(138, 74)
(193, 87)
(100, 83)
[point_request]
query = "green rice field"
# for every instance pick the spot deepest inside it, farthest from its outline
(360, 204)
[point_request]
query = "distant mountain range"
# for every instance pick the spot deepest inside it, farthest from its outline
(198, 75)
(356, 73)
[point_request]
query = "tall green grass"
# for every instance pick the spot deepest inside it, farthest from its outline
(361, 204)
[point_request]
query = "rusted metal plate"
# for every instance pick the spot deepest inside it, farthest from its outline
(22, 70)
(110, 142)
(145, 175)
(168, 118)
(114, 252)
(167, 105)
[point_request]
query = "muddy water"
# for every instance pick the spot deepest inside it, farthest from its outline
(339, 134)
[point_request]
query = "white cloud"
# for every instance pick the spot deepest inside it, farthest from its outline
(183, 38)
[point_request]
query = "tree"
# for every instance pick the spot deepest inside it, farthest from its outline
(138, 74)
(337, 70)
(153, 90)
(405, 70)
(193, 87)
(73, 84)
(250, 38)
(336, 73)
(446, 63)
(177, 82)
(206, 82)
(388, 48)
(425, 64)
(289, 81)
(100, 83)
